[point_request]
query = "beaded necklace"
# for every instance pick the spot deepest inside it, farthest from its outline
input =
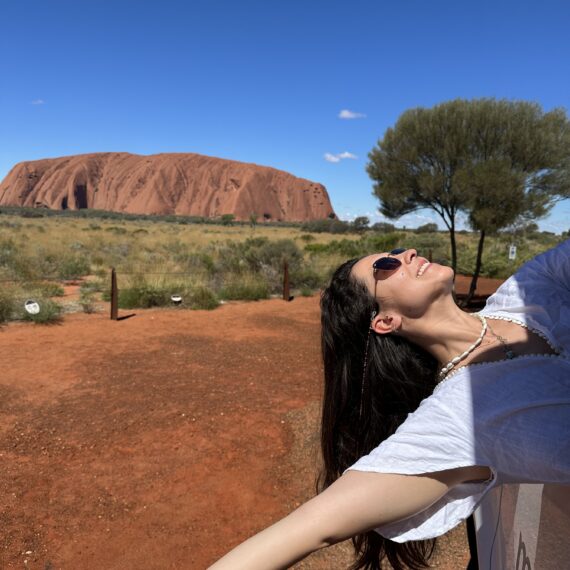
(457, 359)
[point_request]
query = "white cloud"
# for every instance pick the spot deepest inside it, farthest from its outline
(38, 102)
(346, 114)
(340, 156)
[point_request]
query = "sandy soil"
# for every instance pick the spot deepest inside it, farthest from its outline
(161, 440)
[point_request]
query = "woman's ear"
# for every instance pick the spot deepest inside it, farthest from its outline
(384, 324)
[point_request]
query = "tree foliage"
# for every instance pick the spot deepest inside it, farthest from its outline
(360, 223)
(427, 228)
(496, 160)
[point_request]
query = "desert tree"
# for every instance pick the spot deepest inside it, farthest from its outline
(516, 169)
(495, 160)
(414, 165)
(360, 224)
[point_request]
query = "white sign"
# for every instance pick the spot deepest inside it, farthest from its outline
(32, 307)
(512, 252)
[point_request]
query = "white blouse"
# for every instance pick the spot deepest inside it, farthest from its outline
(510, 415)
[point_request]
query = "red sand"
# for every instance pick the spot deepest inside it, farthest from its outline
(162, 440)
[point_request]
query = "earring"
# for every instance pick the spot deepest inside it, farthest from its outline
(372, 318)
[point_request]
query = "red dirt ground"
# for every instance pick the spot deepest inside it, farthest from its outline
(162, 440)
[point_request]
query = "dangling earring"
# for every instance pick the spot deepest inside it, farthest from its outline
(365, 365)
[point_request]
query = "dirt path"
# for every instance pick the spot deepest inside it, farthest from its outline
(162, 440)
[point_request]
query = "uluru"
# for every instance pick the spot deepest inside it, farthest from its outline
(185, 184)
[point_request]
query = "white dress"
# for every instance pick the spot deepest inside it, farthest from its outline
(510, 415)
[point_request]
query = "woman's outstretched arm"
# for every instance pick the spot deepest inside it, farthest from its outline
(355, 503)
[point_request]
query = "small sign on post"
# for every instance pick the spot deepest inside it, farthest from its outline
(512, 252)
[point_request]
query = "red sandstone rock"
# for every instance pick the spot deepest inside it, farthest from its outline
(183, 184)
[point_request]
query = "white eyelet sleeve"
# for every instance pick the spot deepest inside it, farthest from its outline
(512, 416)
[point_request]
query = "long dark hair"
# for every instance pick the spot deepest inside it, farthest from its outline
(399, 375)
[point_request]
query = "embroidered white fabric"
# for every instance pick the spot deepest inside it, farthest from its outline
(510, 415)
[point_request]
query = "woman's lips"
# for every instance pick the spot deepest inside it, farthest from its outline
(423, 268)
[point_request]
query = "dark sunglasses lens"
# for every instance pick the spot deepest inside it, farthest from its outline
(398, 250)
(386, 264)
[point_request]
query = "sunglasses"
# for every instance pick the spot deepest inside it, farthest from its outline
(387, 263)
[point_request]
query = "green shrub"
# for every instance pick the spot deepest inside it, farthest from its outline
(257, 254)
(306, 292)
(86, 300)
(47, 264)
(74, 266)
(227, 219)
(48, 289)
(377, 243)
(191, 261)
(307, 237)
(8, 249)
(246, 288)
(202, 298)
(8, 303)
(307, 277)
(275, 253)
(142, 297)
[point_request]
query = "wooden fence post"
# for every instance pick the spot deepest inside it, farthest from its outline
(114, 296)
(286, 295)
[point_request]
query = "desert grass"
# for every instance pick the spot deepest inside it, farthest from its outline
(206, 263)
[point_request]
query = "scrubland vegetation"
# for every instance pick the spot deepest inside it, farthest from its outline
(204, 262)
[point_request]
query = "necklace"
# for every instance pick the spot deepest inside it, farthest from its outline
(508, 352)
(456, 360)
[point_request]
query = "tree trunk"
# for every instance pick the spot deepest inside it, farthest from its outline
(473, 286)
(453, 249)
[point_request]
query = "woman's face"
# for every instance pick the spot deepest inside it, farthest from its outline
(409, 290)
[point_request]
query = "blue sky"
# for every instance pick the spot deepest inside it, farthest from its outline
(265, 82)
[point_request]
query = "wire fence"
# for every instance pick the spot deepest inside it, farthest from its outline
(161, 294)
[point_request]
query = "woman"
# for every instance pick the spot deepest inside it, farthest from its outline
(426, 407)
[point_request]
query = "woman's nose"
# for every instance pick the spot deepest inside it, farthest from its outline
(409, 255)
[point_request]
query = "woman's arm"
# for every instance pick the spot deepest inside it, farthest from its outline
(355, 503)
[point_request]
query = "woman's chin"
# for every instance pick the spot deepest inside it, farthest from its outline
(446, 275)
